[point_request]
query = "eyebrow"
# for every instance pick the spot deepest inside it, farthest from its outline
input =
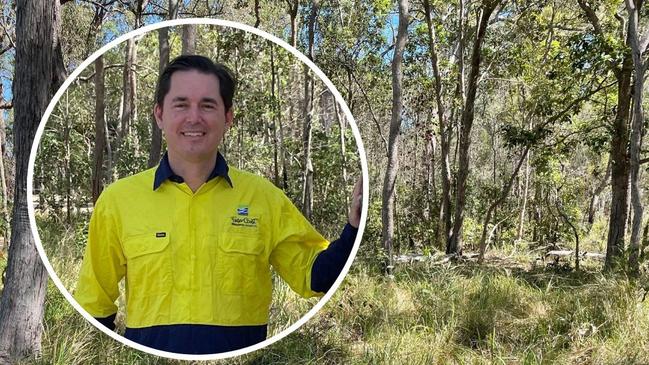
(184, 98)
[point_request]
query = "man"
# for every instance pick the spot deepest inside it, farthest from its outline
(195, 238)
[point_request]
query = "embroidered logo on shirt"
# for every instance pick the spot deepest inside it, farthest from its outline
(160, 234)
(244, 222)
(242, 210)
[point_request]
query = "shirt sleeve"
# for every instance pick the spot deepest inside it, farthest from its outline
(330, 262)
(103, 264)
(296, 246)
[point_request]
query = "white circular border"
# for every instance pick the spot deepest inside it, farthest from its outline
(223, 23)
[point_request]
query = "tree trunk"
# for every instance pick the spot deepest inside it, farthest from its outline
(521, 218)
(95, 25)
(163, 50)
(38, 72)
(645, 241)
(428, 175)
(128, 101)
(307, 173)
(620, 168)
(156, 133)
(108, 176)
(67, 158)
(637, 126)
(257, 17)
(592, 206)
(280, 127)
(454, 243)
(129, 89)
(292, 12)
(173, 9)
(138, 11)
(189, 39)
(100, 137)
(537, 237)
(444, 227)
(497, 202)
(574, 230)
(389, 184)
(619, 158)
(343, 154)
(3, 180)
(275, 115)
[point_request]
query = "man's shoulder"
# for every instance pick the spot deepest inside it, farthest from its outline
(133, 184)
(246, 179)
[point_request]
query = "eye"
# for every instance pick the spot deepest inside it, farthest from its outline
(209, 107)
(180, 105)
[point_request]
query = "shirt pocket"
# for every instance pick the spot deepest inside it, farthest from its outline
(241, 266)
(148, 264)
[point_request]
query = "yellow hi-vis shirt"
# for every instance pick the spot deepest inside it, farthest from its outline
(194, 258)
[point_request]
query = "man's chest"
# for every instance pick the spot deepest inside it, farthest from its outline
(191, 227)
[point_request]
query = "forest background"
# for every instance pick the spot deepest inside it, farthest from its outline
(507, 175)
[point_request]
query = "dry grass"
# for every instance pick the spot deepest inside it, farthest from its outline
(503, 312)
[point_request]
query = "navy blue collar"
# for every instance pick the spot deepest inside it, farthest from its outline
(164, 171)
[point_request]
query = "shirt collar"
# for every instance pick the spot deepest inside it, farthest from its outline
(164, 171)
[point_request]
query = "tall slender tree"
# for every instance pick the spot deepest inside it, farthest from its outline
(638, 43)
(619, 141)
(389, 183)
(307, 167)
(189, 39)
(39, 71)
(444, 226)
(100, 127)
(454, 242)
(3, 176)
(163, 54)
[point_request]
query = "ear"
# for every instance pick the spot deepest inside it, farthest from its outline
(157, 113)
(229, 118)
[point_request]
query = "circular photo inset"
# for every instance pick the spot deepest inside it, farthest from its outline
(196, 189)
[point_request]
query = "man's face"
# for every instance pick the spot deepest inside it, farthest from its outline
(193, 117)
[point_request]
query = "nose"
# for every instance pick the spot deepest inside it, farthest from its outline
(193, 114)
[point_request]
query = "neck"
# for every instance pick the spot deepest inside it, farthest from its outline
(195, 172)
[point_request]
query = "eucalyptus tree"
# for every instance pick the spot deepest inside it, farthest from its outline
(163, 54)
(612, 42)
(444, 226)
(39, 71)
(100, 129)
(638, 43)
(454, 244)
(307, 164)
(392, 169)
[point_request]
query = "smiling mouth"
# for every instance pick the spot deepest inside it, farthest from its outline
(193, 134)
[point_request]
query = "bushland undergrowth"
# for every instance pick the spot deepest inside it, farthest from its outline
(503, 312)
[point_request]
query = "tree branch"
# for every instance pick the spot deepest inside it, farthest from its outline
(11, 41)
(592, 17)
(4, 50)
(555, 117)
(100, 5)
(369, 106)
(88, 78)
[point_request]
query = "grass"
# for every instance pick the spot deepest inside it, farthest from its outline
(503, 312)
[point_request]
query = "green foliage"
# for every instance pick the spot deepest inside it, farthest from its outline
(251, 144)
(516, 136)
(538, 58)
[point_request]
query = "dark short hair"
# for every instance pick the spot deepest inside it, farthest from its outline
(227, 83)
